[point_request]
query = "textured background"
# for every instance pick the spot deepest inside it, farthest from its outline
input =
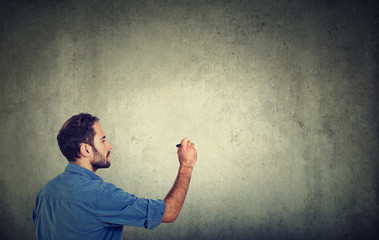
(280, 98)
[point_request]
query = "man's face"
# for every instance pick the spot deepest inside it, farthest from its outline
(101, 149)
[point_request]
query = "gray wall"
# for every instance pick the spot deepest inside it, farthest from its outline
(279, 97)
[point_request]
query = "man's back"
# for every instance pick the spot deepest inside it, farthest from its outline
(78, 204)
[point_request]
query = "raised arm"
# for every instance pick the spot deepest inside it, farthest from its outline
(175, 198)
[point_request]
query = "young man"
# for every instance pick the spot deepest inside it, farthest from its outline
(78, 204)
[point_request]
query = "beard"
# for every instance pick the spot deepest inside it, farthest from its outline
(99, 161)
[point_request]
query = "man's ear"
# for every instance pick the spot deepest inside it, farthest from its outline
(85, 150)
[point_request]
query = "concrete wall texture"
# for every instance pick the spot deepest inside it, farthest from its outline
(280, 98)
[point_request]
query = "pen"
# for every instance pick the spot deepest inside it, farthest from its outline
(178, 145)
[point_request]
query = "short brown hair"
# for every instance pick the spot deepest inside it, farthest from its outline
(76, 130)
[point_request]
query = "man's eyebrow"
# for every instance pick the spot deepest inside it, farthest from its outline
(103, 137)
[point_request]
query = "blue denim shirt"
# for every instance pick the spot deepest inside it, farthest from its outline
(78, 204)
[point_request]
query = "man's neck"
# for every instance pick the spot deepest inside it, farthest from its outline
(85, 163)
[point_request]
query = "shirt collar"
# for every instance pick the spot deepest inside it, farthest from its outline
(73, 168)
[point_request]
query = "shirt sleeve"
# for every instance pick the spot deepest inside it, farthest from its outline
(116, 207)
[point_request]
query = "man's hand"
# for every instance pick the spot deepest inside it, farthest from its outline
(187, 154)
(175, 198)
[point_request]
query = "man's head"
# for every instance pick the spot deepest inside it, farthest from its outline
(82, 138)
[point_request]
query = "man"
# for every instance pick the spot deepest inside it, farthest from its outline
(78, 204)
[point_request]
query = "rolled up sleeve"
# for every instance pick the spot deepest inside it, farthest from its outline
(116, 207)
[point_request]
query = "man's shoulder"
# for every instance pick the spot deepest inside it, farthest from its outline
(73, 186)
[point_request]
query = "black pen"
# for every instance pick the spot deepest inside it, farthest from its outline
(178, 145)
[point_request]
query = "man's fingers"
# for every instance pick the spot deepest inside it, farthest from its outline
(184, 141)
